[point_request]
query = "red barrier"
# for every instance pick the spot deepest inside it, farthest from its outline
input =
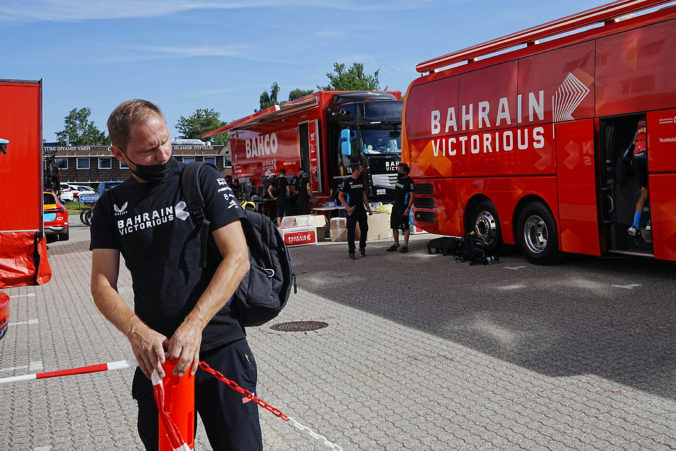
(175, 397)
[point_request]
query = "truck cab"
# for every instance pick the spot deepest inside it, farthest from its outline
(363, 130)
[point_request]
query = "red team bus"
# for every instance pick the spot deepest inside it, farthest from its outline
(23, 248)
(526, 147)
(324, 133)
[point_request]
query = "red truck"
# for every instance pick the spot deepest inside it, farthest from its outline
(324, 133)
(523, 139)
(23, 248)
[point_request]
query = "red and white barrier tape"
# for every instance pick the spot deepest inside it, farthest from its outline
(121, 364)
(176, 441)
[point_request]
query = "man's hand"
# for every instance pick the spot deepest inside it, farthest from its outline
(184, 345)
(146, 344)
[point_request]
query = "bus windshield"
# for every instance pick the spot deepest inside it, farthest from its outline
(381, 140)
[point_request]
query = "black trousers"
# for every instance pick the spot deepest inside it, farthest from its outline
(231, 424)
(358, 216)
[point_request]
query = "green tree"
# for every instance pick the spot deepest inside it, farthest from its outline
(200, 122)
(352, 79)
(298, 93)
(78, 130)
(268, 99)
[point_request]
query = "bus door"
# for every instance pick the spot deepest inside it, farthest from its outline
(310, 159)
(576, 187)
(620, 188)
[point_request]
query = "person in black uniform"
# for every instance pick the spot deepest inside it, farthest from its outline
(303, 192)
(178, 303)
(403, 200)
(280, 190)
(352, 196)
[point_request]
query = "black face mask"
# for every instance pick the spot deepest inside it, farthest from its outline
(152, 173)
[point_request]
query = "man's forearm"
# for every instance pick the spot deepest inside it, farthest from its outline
(223, 284)
(115, 310)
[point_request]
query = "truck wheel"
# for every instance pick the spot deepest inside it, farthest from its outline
(537, 235)
(485, 223)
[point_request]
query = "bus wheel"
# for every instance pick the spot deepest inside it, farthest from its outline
(486, 225)
(537, 235)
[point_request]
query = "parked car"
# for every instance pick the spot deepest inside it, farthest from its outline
(55, 216)
(66, 192)
(83, 191)
(105, 186)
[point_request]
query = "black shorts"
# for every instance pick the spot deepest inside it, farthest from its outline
(230, 423)
(398, 220)
(640, 165)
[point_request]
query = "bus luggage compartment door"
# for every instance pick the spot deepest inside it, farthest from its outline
(576, 186)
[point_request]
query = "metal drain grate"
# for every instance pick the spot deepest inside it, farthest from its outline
(299, 326)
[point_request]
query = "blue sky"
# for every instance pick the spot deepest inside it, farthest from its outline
(185, 55)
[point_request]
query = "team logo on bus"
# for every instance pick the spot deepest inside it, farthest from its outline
(567, 98)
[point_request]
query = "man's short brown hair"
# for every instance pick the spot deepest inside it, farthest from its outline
(127, 113)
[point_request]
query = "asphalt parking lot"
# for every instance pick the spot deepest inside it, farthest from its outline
(420, 353)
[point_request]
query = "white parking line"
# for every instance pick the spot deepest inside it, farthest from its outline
(42, 448)
(30, 322)
(29, 295)
(32, 366)
(628, 287)
(515, 268)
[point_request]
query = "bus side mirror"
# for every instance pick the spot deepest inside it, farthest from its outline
(345, 146)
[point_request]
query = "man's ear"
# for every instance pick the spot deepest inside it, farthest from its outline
(118, 154)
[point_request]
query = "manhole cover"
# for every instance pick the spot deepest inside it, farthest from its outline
(299, 326)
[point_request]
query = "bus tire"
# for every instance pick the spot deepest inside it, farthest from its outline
(485, 223)
(537, 234)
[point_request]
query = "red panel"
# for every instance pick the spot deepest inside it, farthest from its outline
(566, 76)
(578, 219)
(447, 209)
(21, 164)
(635, 70)
(662, 141)
(663, 214)
(521, 151)
(423, 100)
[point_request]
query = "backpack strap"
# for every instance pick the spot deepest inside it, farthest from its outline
(192, 193)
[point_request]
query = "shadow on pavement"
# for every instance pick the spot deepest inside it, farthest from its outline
(563, 320)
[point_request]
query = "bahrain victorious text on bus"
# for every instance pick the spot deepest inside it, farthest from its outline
(324, 133)
(565, 145)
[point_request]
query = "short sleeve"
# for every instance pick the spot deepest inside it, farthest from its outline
(221, 205)
(102, 231)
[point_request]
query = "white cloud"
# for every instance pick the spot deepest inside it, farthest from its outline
(80, 10)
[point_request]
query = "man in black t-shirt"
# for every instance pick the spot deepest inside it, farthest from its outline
(303, 192)
(403, 200)
(178, 303)
(280, 190)
(352, 196)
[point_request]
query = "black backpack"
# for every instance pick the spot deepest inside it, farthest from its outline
(473, 249)
(263, 292)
